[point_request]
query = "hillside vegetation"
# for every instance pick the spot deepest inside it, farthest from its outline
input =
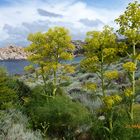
(96, 99)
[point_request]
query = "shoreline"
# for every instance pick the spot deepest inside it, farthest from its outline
(10, 60)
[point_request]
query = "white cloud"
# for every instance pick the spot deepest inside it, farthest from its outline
(22, 17)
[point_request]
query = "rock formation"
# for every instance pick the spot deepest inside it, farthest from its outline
(78, 47)
(18, 53)
(12, 53)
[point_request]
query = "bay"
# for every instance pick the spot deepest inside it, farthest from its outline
(17, 66)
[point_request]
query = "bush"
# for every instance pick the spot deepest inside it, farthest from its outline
(7, 94)
(21, 89)
(59, 114)
(122, 128)
(13, 126)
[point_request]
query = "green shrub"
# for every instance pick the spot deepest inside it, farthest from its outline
(122, 129)
(62, 116)
(7, 94)
(21, 89)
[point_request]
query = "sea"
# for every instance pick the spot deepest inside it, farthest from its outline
(16, 67)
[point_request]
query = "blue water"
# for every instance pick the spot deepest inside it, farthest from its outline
(14, 66)
(17, 66)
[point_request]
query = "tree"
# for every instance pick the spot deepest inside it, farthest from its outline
(48, 50)
(129, 23)
(101, 50)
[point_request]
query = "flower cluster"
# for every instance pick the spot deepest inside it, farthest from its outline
(130, 66)
(109, 52)
(128, 92)
(69, 69)
(122, 47)
(93, 59)
(63, 77)
(90, 63)
(90, 86)
(117, 98)
(110, 75)
(51, 66)
(111, 100)
(66, 56)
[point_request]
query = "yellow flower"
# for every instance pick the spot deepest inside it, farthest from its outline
(111, 100)
(128, 92)
(130, 66)
(109, 52)
(64, 77)
(69, 69)
(108, 102)
(66, 56)
(111, 74)
(122, 47)
(90, 63)
(117, 98)
(90, 86)
(54, 66)
(93, 59)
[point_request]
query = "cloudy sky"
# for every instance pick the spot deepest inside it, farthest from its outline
(18, 18)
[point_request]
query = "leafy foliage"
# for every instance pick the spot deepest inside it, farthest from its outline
(62, 115)
(47, 50)
(7, 94)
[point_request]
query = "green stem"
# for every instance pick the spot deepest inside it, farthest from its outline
(110, 122)
(44, 79)
(133, 85)
(102, 75)
(54, 83)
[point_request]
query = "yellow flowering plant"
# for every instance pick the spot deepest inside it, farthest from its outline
(66, 71)
(111, 100)
(129, 27)
(128, 92)
(101, 50)
(47, 50)
(130, 66)
(90, 86)
(90, 63)
(111, 75)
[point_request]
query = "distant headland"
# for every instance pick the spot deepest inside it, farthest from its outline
(18, 53)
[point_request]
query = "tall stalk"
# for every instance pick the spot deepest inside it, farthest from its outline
(110, 120)
(102, 74)
(44, 79)
(131, 111)
(54, 83)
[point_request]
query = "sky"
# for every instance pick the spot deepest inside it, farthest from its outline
(18, 18)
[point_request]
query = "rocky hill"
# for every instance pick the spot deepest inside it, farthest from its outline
(12, 53)
(78, 47)
(18, 53)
